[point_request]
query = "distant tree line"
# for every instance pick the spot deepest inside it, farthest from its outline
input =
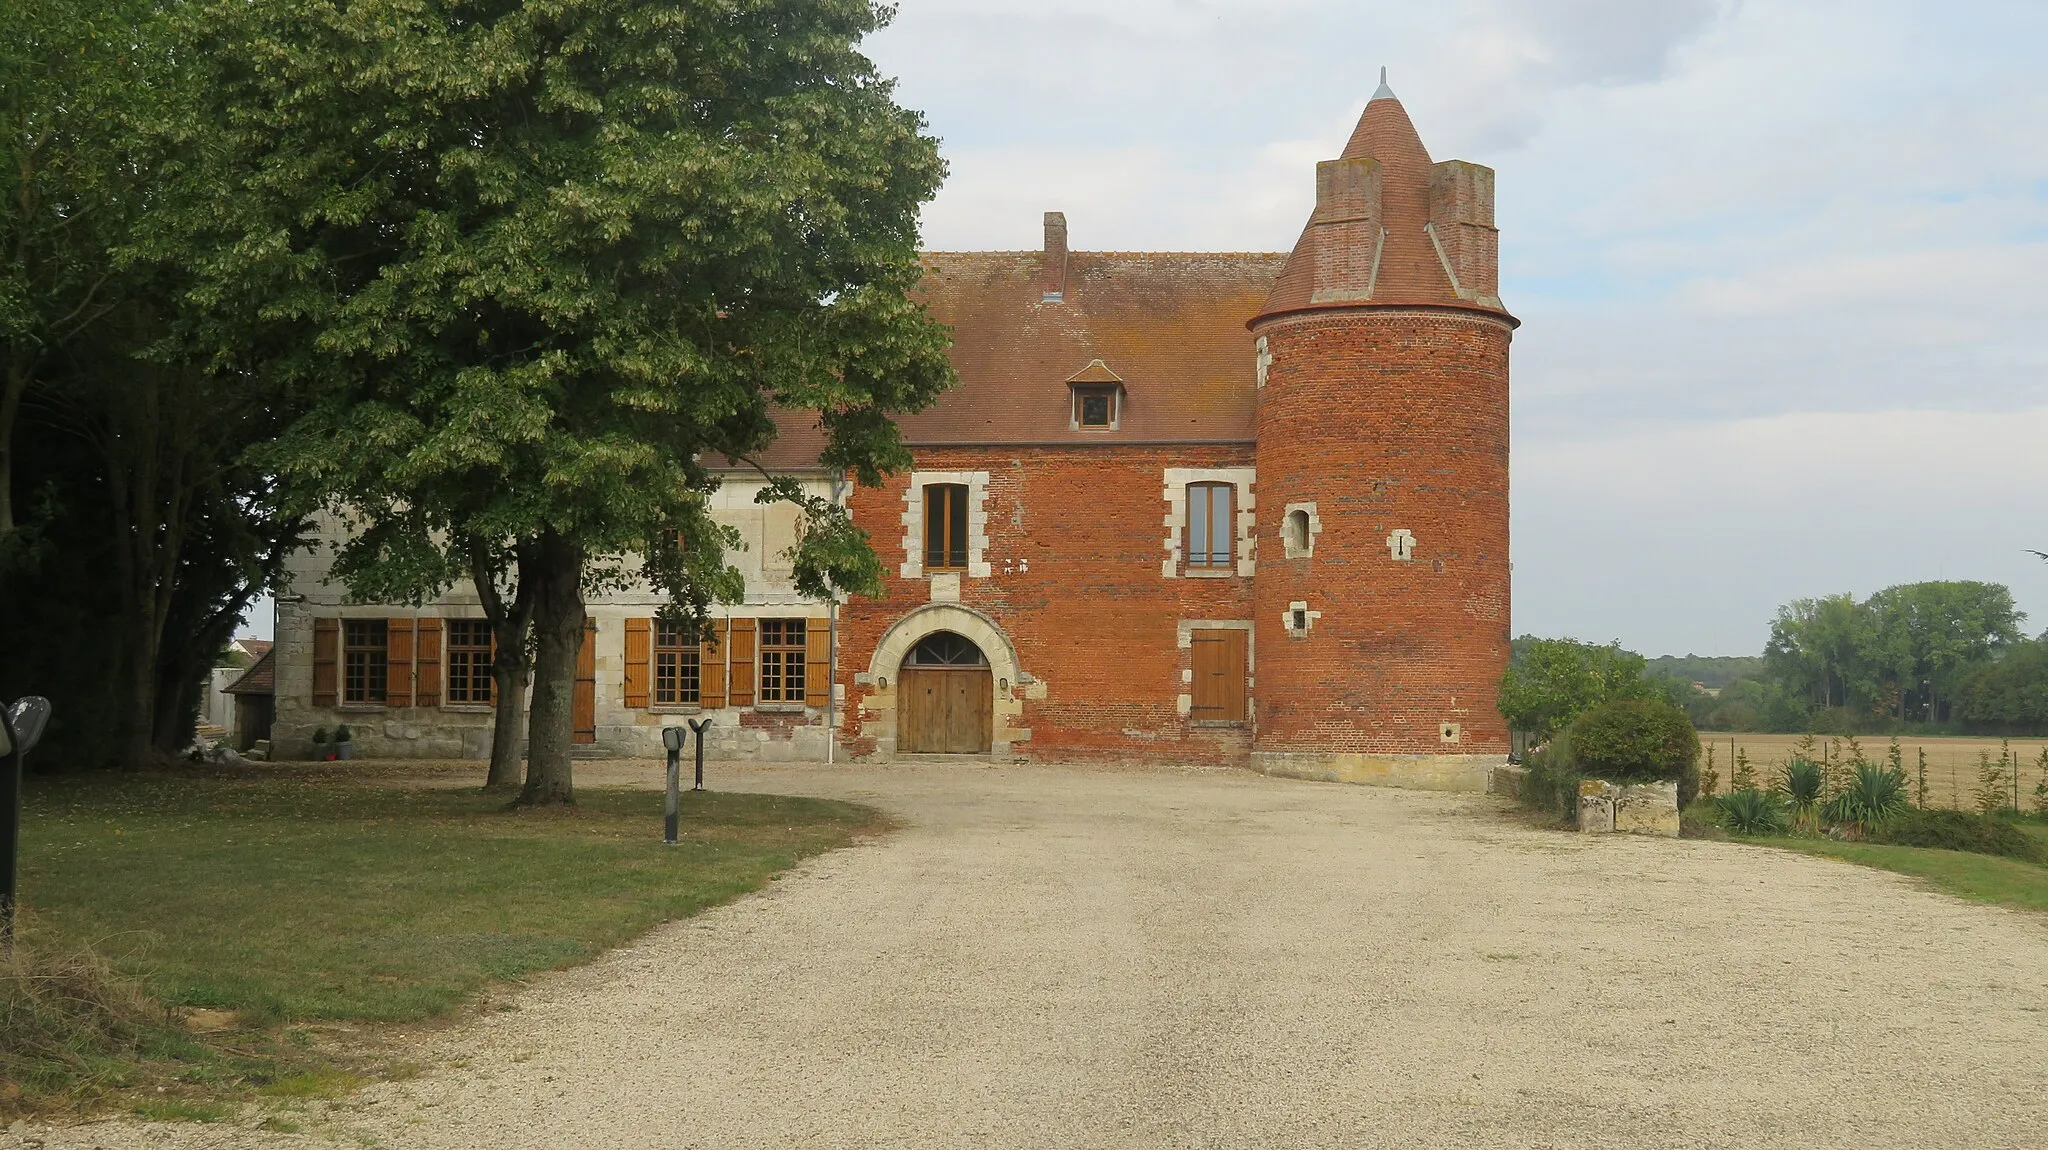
(1946, 655)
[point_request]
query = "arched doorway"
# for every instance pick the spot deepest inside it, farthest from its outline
(945, 698)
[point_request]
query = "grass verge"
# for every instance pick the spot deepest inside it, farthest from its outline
(273, 899)
(1981, 878)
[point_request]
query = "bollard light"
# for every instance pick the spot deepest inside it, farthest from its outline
(21, 727)
(672, 739)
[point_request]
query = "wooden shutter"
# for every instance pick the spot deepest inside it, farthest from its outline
(326, 660)
(426, 680)
(711, 666)
(398, 662)
(1219, 666)
(817, 663)
(639, 653)
(740, 687)
(583, 704)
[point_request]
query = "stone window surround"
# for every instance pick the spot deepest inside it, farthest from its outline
(1287, 619)
(1315, 528)
(1184, 638)
(976, 483)
(1177, 480)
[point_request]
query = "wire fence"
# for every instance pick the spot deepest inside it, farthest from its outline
(1957, 772)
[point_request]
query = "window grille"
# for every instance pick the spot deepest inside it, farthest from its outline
(782, 660)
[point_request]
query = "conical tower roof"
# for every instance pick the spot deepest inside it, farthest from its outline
(1407, 265)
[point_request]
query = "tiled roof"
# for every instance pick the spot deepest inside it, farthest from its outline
(1169, 325)
(260, 678)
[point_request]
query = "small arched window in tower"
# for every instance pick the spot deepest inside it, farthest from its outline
(1296, 533)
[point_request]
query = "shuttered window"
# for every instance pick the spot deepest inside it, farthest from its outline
(365, 660)
(945, 527)
(469, 661)
(782, 661)
(1210, 536)
(678, 674)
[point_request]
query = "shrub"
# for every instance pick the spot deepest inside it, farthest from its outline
(342, 734)
(1752, 812)
(1961, 831)
(1873, 797)
(320, 734)
(1800, 786)
(1551, 788)
(1637, 741)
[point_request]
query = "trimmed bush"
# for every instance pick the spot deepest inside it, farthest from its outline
(1637, 741)
(1961, 831)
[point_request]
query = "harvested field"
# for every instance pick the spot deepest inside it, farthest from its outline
(1951, 761)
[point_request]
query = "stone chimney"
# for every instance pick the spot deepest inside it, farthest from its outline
(1461, 223)
(1055, 279)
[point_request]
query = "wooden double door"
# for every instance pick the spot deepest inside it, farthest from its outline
(945, 711)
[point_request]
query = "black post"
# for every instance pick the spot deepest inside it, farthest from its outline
(672, 738)
(10, 828)
(701, 728)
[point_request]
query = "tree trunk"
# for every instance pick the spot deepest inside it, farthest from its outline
(511, 665)
(558, 622)
(11, 391)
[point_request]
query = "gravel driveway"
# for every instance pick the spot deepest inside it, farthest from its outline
(1049, 958)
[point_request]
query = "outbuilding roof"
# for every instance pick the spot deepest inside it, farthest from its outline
(259, 679)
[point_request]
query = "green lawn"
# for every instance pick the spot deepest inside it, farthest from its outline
(288, 895)
(1983, 878)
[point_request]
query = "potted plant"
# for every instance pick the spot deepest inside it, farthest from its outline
(320, 752)
(344, 748)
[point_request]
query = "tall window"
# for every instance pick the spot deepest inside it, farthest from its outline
(364, 649)
(469, 660)
(782, 660)
(677, 674)
(1210, 535)
(945, 527)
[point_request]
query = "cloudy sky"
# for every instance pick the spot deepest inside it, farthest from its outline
(1782, 264)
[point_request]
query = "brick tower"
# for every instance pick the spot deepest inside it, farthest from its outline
(1382, 584)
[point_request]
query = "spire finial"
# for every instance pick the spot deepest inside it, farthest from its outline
(1384, 93)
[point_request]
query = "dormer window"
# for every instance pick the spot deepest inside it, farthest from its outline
(1095, 407)
(1098, 397)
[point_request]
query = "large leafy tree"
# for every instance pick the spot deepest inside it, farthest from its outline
(535, 262)
(124, 428)
(1822, 648)
(1551, 682)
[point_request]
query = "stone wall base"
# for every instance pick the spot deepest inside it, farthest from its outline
(1467, 773)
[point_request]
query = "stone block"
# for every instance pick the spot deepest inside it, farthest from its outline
(1506, 780)
(1597, 800)
(1647, 809)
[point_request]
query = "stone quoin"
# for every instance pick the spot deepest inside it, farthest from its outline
(1233, 508)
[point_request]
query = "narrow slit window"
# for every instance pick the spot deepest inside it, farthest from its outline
(945, 527)
(678, 672)
(1210, 535)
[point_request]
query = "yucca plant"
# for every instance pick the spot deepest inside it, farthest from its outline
(1751, 812)
(1801, 787)
(1873, 799)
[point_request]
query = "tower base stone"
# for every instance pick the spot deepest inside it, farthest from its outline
(1467, 773)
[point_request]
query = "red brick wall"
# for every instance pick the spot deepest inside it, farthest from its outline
(1385, 419)
(1091, 616)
